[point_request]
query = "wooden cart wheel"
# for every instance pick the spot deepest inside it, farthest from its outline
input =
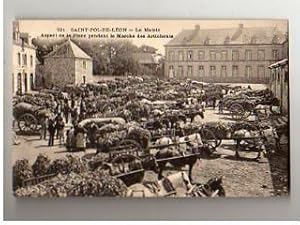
(208, 138)
(237, 111)
(27, 123)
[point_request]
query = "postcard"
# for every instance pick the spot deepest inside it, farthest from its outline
(150, 108)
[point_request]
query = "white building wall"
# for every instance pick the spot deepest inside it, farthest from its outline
(83, 67)
(23, 68)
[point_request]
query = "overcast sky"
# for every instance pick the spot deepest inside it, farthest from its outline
(167, 27)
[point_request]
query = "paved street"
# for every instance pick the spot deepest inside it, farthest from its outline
(244, 177)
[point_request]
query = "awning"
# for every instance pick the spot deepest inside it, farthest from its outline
(279, 63)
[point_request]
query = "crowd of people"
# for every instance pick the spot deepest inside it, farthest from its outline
(67, 112)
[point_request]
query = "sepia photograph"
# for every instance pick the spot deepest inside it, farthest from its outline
(150, 108)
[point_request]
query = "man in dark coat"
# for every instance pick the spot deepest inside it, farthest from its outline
(59, 122)
(51, 130)
(66, 112)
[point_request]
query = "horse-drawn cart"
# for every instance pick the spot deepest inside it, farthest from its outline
(29, 116)
(242, 106)
(248, 136)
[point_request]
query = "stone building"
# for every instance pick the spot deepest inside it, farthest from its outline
(147, 58)
(238, 54)
(24, 61)
(279, 83)
(67, 64)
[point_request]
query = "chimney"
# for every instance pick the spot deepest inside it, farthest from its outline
(238, 32)
(193, 34)
(227, 40)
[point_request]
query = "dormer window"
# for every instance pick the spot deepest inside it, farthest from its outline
(275, 39)
(227, 40)
(253, 39)
(207, 41)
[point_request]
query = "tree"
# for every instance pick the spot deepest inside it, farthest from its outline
(110, 57)
(45, 46)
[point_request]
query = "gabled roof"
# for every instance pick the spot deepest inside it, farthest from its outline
(68, 49)
(145, 58)
(239, 35)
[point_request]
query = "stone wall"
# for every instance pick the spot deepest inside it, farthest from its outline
(58, 72)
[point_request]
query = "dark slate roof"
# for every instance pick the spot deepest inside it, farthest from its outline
(68, 49)
(240, 35)
(145, 58)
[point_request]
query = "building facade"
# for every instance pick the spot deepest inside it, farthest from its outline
(279, 83)
(24, 62)
(224, 55)
(67, 64)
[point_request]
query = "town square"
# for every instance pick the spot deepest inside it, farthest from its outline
(203, 114)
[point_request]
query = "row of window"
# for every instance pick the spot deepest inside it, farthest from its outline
(223, 72)
(219, 55)
(22, 59)
(22, 85)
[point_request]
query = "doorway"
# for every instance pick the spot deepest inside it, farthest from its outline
(25, 83)
(19, 84)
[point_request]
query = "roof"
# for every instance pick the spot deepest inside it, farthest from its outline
(239, 35)
(68, 49)
(145, 58)
(279, 63)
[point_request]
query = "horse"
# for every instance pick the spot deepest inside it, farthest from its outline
(267, 141)
(212, 188)
(162, 188)
(183, 145)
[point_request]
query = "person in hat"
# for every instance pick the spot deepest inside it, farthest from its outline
(80, 133)
(44, 125)
(92, 133)
(51, 130)
(59, 124)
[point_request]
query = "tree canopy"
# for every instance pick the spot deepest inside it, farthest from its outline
(109, 57)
